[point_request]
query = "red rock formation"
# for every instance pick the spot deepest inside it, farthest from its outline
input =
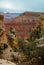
(23, 23)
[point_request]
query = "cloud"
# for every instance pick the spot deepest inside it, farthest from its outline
(22, 5)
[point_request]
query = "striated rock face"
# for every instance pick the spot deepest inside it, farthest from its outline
(5, 62)
(24, 23)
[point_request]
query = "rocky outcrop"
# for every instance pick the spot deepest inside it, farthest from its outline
(3, 38)
(6, 47)
(6, 62)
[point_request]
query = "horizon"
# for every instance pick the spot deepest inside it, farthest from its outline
(20, 6)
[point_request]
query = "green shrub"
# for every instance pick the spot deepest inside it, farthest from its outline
(5, 46)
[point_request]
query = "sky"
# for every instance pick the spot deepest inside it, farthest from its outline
(21, 5)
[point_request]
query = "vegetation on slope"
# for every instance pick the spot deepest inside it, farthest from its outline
(29, 49)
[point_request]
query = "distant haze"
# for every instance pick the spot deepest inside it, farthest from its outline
(10, 16)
